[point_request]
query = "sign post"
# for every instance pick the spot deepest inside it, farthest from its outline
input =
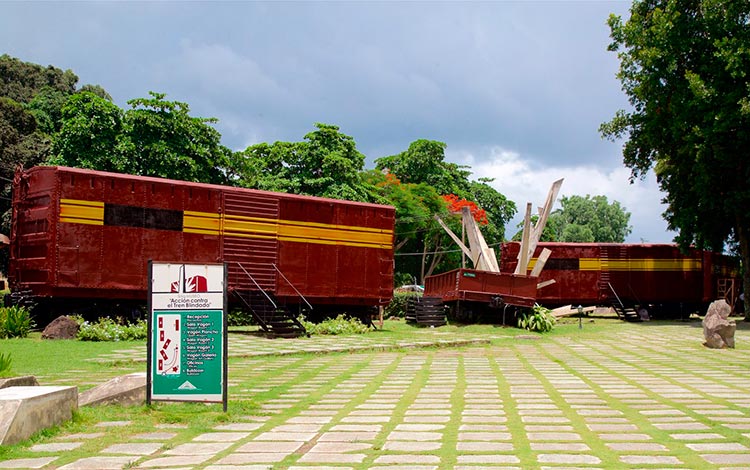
(187, 333)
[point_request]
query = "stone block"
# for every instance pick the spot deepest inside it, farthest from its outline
(27, 410)
(22, 381)
(126, 390)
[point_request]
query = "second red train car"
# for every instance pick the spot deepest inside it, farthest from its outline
(658, 277)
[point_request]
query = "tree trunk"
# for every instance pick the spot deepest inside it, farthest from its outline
(400, 244)
(744, 241)
(436, 258)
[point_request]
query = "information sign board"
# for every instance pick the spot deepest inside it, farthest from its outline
(187, 338)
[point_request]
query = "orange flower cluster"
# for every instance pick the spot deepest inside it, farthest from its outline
(455, 204)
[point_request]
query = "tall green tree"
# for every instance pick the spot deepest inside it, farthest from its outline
(326, 164)
(162, 139)
(424, 162)
(586, 219)
(22, 81)
(155, 137)
(685, 67)
(90, 134)
(416, 229)
(590, 219)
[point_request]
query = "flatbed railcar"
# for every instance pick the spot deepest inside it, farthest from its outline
(81, 236)
(656, 277)
(470, 294)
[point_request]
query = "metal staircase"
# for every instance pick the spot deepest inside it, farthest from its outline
(426, 311)
(624, 311)
(273, 318)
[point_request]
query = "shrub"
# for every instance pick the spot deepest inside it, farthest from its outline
(107, 329)
(238, 317)
(397, 307)
(5, 363)
(539, 319)
(15, 322)
(341, 325)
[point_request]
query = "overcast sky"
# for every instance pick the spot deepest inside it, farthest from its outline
(516, 89)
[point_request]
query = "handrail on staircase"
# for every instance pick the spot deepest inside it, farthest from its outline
(292, 285)
(616, 297)
(257, 285)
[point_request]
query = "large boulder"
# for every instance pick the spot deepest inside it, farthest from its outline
(62, 327)
(718, 329)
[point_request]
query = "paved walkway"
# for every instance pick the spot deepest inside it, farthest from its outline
(644, 396)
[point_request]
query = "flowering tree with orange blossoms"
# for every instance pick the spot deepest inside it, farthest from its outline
(456, 204)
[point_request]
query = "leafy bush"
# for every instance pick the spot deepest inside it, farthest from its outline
(238, 317)
(540, 319)
(15, 322)
(107, 329)
(341, 325)
(5, 363)
(397, 307)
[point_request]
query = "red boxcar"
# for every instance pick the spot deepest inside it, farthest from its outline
(656, 276)
(82, 234)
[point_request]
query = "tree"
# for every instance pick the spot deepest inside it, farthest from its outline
(416, 228)
(684, 67)
(586, 220)
(590, 219)
(90, 135)
(21, 81)
(424, 162)
(326, 164)
(162, 139)
(154, 138)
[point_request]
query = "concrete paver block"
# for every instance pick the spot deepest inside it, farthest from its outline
(37, 462)
(22, 381)
(126, 390)
(26, 410)
(100, 463)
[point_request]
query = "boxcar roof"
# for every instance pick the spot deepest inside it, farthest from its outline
(153, 179)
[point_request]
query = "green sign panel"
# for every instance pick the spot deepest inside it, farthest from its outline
(187, 333)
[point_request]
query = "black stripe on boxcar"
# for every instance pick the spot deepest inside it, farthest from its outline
(142, 217)
(562, 264)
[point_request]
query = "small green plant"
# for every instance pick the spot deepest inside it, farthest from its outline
(15, 322)
(237, 317)
(539, 319)
(5, 362)
(107, 329)
(341, 325)
(397, 307)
